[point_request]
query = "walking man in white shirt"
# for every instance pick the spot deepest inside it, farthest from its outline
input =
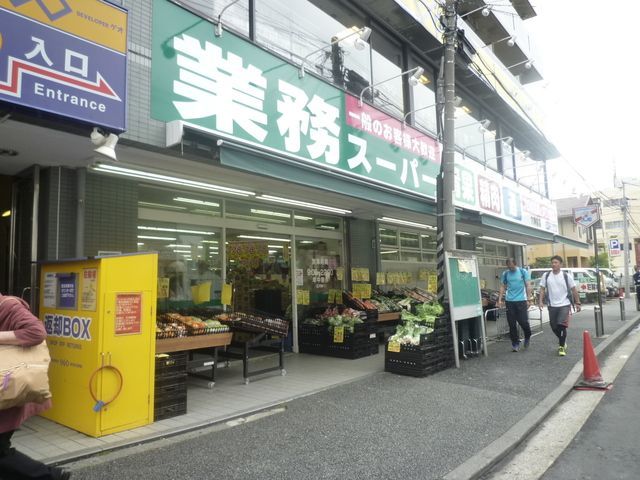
(558, 289)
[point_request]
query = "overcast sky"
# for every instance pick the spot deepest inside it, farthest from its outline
(590, 91)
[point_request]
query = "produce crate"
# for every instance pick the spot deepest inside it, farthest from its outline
(171, 364)
(171, 407)
(320, 340)
(418, 363)
(170, 387)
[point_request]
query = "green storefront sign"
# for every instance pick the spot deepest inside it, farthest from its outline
(238, 91)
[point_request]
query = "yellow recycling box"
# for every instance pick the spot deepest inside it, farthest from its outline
(100, 319)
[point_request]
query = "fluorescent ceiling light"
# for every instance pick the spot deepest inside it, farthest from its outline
(315, 206)
(464, 234)
(275, 246)
(140, 244)
(163, 229)
(161, 205)
(270, 213)
(516, 243)
(306, 241)
(279, 214)
(256, 237)
(210, 241)
(6, 213)
(195, 201)
(148, 237)
(129, 172)
(406, 222)
(388, 251)
(175, 245)
(182, 251)
(271, 252)
(493, 239)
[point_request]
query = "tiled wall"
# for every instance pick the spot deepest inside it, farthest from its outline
(111, 216)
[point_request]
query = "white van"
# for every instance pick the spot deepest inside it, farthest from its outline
(585, 281)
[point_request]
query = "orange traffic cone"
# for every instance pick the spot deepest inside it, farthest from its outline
(591, 376)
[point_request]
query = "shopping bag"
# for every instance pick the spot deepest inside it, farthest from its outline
(24, 375)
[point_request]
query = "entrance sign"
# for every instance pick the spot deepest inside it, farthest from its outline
(67, 57)
(586, 216)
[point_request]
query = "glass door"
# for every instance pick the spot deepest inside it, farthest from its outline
(258, 267)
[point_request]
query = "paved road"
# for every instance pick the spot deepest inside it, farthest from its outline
(381, 427)
(607, 446)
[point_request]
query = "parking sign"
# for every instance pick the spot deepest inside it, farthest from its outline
(614, 247)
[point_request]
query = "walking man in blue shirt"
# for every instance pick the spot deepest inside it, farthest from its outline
(515, 282)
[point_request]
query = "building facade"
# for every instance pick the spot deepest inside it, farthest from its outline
(284, 147)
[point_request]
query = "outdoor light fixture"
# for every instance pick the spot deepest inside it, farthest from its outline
(160, 178)
(106, 143)
(485, 10)
(414, 79)
(360, 41)
(511, 41)
(456, 101)
(527, 64)
(299, 203)
(218, 30)
(484, 125)
(406, 222)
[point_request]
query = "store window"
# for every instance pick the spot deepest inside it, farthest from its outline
(470, 135)
(423, 104)
(508, 165)
(258, 267)
(386, 66)
(295, 30)
(405, 246)
(389, 244)
(235, 17)
(189, 262)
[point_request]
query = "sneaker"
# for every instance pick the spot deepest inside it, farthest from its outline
(527, 341)
(515, 347)
(562, 351)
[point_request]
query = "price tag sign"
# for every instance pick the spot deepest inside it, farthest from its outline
(393, 347)
(338, 334)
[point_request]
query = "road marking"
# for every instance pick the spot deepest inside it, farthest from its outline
(556, 433)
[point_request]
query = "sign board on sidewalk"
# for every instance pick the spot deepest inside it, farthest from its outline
(614, 247)
(586, 216)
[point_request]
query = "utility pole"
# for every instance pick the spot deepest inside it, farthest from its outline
(446, 220)
(448, 137)
(625, 214)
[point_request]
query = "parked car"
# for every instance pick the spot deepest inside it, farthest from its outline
(586, 282)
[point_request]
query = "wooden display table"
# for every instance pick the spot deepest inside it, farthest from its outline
(388, 317)
(206, 344)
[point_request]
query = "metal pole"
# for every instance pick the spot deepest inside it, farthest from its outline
(625, 208)
(595, 252)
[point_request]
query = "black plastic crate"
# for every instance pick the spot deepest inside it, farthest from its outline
(172, 408)
(417, 360)
(170, 385)
(415, 371)
(168, 364)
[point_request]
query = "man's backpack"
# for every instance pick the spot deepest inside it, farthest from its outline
(566, 282)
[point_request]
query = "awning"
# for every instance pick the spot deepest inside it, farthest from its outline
(570, 241)
(270, 165)
(516, 231)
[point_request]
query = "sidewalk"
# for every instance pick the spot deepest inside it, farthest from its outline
(490, 404)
